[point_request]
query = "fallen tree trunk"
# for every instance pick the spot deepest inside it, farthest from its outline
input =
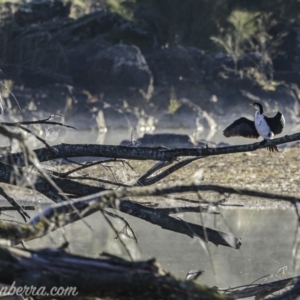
(107, 276)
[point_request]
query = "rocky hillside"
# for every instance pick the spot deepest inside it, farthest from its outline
(104, 71)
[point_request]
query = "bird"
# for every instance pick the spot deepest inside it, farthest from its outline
(262, 125)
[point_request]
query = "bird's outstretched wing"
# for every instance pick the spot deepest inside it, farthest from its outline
(242, 127)
(276, 123)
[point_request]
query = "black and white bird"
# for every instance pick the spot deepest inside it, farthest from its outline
(262, 126)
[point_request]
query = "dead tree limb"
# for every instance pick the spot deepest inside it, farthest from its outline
(88, 165)
(180, 209)
(180, 226)
(9, 208)
(76, 189)
(292, 294)
(153, 215)
(60, 214)
(127, 228)
(13, 202)
(143, 180)
(147, 153)
(113, 198)
(8, 166)
(147, 180)
(104, 277)
(65, 150)
(46, 121)
(262, 290)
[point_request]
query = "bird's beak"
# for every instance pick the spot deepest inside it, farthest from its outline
(251, 104)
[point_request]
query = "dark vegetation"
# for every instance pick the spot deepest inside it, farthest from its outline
(141, 56)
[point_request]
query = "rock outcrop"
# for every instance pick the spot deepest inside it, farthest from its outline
(113, 73)
(188, 115)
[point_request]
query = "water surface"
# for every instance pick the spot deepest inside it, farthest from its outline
(267, 236)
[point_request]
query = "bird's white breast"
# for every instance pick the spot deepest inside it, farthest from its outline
(262, 127)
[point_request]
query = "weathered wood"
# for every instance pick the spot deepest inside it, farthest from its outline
(145, 153)
(61, 214)
(79, 189)
(262, 290)
(292, 294)
(107, 276)
(58, 213)
(180, 226)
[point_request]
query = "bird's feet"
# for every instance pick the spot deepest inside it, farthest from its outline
(270, 148)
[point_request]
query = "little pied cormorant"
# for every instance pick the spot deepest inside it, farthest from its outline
(262, 126)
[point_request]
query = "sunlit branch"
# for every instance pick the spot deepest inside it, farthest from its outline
(148, 153)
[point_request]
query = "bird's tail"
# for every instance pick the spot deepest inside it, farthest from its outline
(273, 148)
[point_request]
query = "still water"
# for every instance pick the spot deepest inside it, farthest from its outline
(267, 244)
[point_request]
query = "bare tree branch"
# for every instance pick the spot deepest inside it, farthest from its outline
(145, 180)
(7, 208)
(292, 294)
(88, 165)
(42, 121)
(148, 153)
(127, 225)
(181, 209)
(12, 201)
(117, 234)
(157, 166)
(111, 199)
(98, 180)
(262, 290)
(167, 222)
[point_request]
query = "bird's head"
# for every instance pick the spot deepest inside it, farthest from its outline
(258, 107)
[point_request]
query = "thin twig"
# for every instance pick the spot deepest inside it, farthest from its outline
(36, 136)
(206, 239)
(127, 225)
(181, 209)
(86, 165)
(14, 204)
(42, 121)
(7, 208)
(116, 232)
(98, 180)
